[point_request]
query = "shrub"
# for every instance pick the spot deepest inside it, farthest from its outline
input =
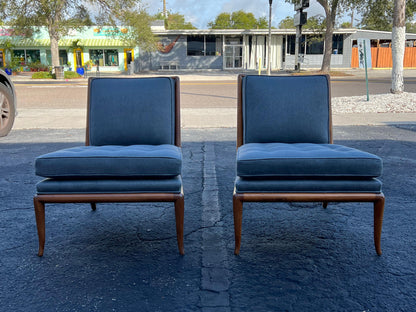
(71, 75)
(42, 75)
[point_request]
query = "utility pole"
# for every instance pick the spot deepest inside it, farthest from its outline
(165, 13)
(299, 19)
(269, 47)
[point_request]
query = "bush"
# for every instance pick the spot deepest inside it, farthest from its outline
(42, 75)
(71, 75)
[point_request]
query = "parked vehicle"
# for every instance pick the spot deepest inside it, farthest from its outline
(7, 104)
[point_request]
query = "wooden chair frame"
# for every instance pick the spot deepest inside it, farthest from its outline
(239, 198)
(177, 198)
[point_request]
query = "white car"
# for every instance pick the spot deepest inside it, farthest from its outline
(7, 104)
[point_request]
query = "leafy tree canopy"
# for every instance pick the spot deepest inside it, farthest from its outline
(59, 16)
(287, 23)
(346, 25)
(175, 21)
(316, 23)
(238, 20)
(378, 14)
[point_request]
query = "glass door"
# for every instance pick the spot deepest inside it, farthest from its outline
(233, 56)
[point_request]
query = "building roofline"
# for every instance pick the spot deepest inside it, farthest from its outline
(242, 31)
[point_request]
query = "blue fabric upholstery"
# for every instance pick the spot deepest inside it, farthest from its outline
(287, 109)
(111, 161)
(287, 185)
(104, 186)
(132, 111)
(305, 160)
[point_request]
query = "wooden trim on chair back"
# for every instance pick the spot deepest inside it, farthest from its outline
(240, 123)
(87, 137)
(177, 111)
(329, 109)
(240, 139)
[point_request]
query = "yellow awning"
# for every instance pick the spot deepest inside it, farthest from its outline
(102, 42)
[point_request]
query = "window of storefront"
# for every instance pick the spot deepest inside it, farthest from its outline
(291, 41)
(203, 45)
(314, 44)
(63, 57)
(27, 56)
(338, 44)
(104, 57)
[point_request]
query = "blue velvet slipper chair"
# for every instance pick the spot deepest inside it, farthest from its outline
(132, 151)
(285, 151)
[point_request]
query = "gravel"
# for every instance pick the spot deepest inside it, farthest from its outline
(378, 103)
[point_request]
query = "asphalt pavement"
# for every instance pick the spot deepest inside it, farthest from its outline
(294, 257)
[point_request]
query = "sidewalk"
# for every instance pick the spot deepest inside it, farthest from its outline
(192, 75)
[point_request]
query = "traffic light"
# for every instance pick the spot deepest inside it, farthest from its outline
(300, 18)
(301, 4)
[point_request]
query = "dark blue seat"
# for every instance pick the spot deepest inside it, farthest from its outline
(132, 151)
(111, 161)
(285, 150)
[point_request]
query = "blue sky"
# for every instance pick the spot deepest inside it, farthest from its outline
(200, 12)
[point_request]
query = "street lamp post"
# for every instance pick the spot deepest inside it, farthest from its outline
(269, 47)
(165, 13)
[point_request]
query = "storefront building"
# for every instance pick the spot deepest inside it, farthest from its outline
(247, 49)
(101, 47)
(105, 49)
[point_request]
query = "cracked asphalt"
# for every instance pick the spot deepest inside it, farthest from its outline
(123, 257)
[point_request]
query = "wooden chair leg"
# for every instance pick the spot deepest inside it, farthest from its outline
(378, 223)
(40, 223)
(93, 206)
(179, 216)
(238, 221)
(324, 204)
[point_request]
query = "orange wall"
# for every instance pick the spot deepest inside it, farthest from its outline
(382, 58)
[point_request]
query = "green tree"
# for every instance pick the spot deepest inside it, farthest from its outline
(238, 20)
(175, 21)
(59, 16)
(287, 23)
(346, 25)
(378, 14)
(315, 23)
(332, 9)
(222, 21)
(411, 27)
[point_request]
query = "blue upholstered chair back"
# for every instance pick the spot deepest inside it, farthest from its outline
(131, 111)
(286, 109)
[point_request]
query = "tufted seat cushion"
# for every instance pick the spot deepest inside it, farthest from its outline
(305, 160)
(111, 161)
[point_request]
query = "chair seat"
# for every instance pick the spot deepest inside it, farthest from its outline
(111, 161)
(106, 185)
(285, 185)
(310, 160)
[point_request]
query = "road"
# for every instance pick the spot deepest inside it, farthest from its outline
(194, 94)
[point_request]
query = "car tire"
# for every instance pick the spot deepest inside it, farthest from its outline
(7, 110)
